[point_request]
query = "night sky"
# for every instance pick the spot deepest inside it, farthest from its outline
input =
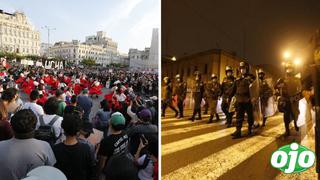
(257, 30)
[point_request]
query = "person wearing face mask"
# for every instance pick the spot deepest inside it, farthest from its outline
(167, 100)
(243, 102)
(289, 90)
(227, 93)
(213, 91)
(181, 93)
(265, 92)
(197, 92)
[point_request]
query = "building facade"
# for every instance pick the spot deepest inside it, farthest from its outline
(99, 47)
(139, 59)
(75, 52)
(209, 62)
(102, 39)
(147, 58)
(44, 49)
(18, 35)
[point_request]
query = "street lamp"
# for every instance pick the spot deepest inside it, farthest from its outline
(286, 55)
(173, 58)
(297, 61)
(48, 29)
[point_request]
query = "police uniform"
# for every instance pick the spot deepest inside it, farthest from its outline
(289, 89)
(227, 93)
(243, 101)
(167, 100)
(181, 93)
(197, 92)
(265, 92)
(213, 91)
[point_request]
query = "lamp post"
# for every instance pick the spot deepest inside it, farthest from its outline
(48, 29)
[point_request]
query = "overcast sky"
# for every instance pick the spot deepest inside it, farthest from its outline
(128, 22)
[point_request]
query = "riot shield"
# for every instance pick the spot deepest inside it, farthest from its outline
(255, 100)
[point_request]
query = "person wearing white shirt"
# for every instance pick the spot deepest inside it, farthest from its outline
(50, 109)
(37, 109)
(120, 96)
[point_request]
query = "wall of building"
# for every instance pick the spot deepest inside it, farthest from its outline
(207, 63)
(18, 35)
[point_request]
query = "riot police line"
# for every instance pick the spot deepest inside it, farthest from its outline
(246, 94)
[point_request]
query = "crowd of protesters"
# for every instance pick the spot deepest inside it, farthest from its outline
(56, 125)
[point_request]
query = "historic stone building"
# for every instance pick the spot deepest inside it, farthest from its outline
(18, 35)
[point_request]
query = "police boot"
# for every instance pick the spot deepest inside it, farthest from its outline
(217, 117)
(264, 122)
(180, 115)
(250, 131)
(236, 134)
(287, 133)
(296, 126)
(210, 119)
(177, 113)
(199, 117)
(192, 118)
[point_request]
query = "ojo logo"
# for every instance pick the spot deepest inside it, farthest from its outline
(292, 158)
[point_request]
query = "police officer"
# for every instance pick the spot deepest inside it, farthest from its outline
(265, 92)
(167, 100)
(181, 93)
(213, 91)
(289, 89)
(243, 102)
(227, 93)
(197, 92)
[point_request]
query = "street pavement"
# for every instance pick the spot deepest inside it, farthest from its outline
(197, 150)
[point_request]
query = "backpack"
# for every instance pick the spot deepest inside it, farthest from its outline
(46, 131)
(123, 161)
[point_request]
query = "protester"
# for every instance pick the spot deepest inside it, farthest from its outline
(147, 161)
(62, 104)
(125, 93)
(45, 173)
(74, 159)
(37, 109)
(23, 153)
(5, 127)
(113, 160)
(51, 118)
(142, 128)
(85, 103)
(102, 116)
(85, 131)
(11, 101)
(73, 104)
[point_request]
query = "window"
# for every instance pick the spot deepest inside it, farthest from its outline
(205, 68)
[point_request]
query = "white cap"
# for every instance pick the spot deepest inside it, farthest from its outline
(35, 83)
(45, 173)
(96, 83)
(21, 74)
(41, 81)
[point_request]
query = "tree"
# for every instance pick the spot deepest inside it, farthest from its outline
(88, 62)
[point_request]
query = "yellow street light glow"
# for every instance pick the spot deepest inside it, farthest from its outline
(173, 58)
(283, 63)
(297, 61)
(286, 55)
